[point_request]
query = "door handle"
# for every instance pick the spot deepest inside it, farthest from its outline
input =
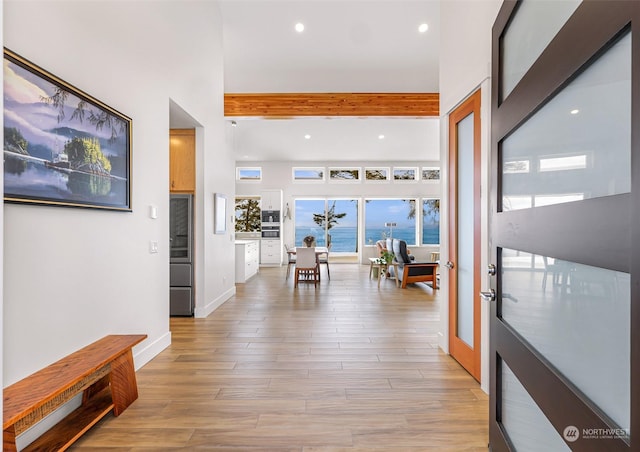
(449, 265)
(488, 296)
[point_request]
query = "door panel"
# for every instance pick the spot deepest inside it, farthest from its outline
(578, 145)
(573, 316)
(566, 322)
(524, 421)
(464, 234)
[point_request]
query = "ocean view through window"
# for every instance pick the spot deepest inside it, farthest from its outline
(333, 222)
(381, 211)
(431, 222)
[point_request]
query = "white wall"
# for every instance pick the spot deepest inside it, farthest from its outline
(74, 275)
(278, 175)
(465, 48)
(465, 57)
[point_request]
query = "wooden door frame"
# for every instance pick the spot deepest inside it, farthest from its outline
(469, 358)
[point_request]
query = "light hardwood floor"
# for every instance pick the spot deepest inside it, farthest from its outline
(344, 367)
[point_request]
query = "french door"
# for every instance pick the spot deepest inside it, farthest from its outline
(464, 234)
(332, 222)
(565, 195)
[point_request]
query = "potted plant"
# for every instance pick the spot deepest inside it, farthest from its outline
(386, 257)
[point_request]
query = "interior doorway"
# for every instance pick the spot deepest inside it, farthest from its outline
(182, 215)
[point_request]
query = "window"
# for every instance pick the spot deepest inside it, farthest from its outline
(249, 174)
(431, 173)
(308, 174)
(376, 174)
(344, 174)
(563, 163)
(247, 214)
(404, 174)
(332, 222)
(380, 212)
(430, 221)
(516, 167)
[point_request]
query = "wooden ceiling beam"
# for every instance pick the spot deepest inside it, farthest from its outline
(289, 105)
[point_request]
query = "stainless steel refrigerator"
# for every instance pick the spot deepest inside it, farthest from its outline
(181, 255)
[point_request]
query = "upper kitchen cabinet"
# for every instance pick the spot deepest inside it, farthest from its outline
(271, 200)
(182, 160)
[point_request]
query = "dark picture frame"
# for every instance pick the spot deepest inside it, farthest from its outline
(62, 147)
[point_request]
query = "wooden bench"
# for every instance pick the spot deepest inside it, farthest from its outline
(102, 371)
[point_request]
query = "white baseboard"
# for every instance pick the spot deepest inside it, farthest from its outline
(144, 355)
(215, 304)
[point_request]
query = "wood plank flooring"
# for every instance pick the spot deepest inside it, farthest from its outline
(344, 367)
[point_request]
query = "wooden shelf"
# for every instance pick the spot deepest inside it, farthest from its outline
(68, 430)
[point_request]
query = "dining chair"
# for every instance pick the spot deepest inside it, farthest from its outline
(291, 258)
(323, 259)
(306, 266)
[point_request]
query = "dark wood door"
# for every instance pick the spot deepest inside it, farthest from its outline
(565, 325)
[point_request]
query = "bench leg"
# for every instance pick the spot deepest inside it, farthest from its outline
(9, 439)
(124, 389)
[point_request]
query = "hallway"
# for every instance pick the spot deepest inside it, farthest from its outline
(345, 367)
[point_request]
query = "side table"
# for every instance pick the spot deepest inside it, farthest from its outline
(382, 269)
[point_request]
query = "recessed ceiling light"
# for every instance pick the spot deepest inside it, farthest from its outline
(423, 28)
(299, 27)
(307, 137)
(380, 137)
(575, 111)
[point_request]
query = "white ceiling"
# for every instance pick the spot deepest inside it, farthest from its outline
(347, 46)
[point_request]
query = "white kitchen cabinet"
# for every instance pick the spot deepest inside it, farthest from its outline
(271, 200)
(247, 259)
(270, 252)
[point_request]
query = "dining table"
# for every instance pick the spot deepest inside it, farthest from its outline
(320, 250)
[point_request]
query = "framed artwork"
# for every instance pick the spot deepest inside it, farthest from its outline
(220, 213)
(62, 147)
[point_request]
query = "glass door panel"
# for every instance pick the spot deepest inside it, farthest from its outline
(306, 213)
(342, 225)
(465, 233)
(524, 422)
(578, 146)
(577, 317)
(332, 222)
(521, 45)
